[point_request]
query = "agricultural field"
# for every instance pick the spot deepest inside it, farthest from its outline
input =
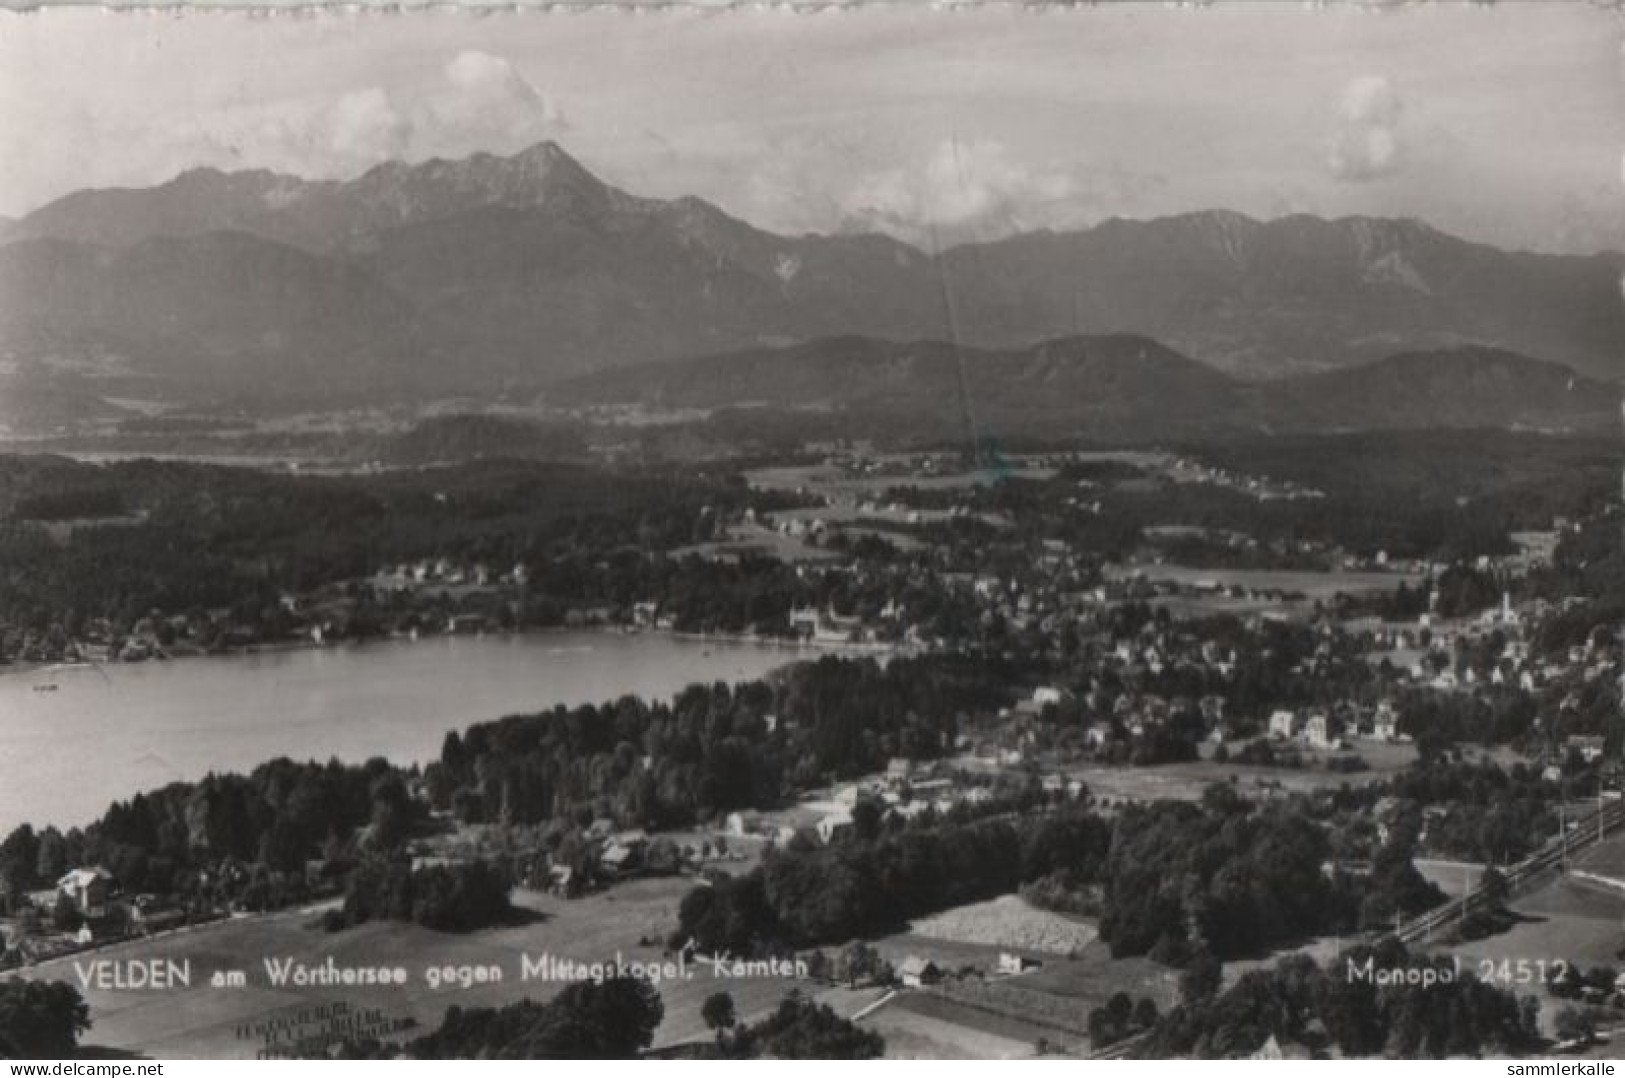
(749, 538)
(1186, 781)
(977, 1013)
(917, 1026)
(1009, 922)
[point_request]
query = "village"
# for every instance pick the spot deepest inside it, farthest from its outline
(1151, 671)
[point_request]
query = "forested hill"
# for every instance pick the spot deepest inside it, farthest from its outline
(1114, 387)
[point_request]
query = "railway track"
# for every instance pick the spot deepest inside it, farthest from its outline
(1119, 1049)
(1587, 832)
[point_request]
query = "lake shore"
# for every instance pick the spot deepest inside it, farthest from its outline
(853, 647)
(113, 730)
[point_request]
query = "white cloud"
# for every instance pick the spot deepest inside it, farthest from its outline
(476, 101)
(363, 128)
(963, 190)
(948, 192)
(481, 103)
(1367, 143)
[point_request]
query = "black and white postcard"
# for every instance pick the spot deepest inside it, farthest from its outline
(844, 531)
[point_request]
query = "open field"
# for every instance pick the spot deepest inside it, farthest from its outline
(1220, 605)
(1606, 858)
(231, 1022)
(1454, 878)
(1186, 781)
(923, 1027)
(755, 539)
(1311, 585)
(1565, 921)
(1090, 979)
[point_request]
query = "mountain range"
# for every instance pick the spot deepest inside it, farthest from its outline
(506, 276)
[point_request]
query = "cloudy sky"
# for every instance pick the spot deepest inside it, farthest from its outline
(1505, 124)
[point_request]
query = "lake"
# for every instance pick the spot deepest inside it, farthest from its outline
(111, 731)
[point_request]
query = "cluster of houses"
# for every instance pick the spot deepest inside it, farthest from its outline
(609, 854)
(917, 971)
(154, 636)
(905, 790)
(85, 908)
(1490, 649)
(825, 625)
(1185, 470)
(1328, 730)
(446, 573)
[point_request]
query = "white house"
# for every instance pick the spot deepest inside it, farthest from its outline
(1283, 724)
(740, 824)
(1385, 723)
(917, 972)
(88, 889)
(1011, 963)
(1046, 694)
(833, 824)
(1320, 731)
(1589, 746)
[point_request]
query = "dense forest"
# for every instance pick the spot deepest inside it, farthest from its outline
(712, 748)
(191, 537)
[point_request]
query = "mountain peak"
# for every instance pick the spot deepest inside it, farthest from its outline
(542, 175)
(546, 152)
(547, 161)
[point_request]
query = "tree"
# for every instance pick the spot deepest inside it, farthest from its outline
(52, 861)
(1394, 887)
(1575, 1024)
(1111, 1023)
(803, 1029)
(391, 813)
(718, 1012)
(19, 859)
(867, 817)
(614, 1019)
(65, 915)
(446, 898)
(1202, 977)
(1493, 886)
(858, 962)
(41, 1020)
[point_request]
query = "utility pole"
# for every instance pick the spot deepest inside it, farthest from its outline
(1563, 827)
